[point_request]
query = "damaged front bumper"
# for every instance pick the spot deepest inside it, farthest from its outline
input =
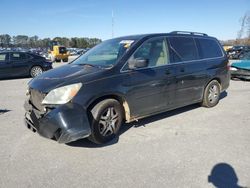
(240, 73)
(66, 123)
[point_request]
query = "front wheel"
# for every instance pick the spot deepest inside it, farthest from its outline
(211, 94)
(36, 71)
(106, 120)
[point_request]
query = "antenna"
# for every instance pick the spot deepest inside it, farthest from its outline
(112, 23)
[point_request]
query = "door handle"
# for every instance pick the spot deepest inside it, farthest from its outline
(167, 72)
(182, 70)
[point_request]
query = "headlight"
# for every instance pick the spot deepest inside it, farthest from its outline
(62, 95)
(233, 69)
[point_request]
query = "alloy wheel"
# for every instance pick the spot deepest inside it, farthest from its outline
(213, 93)
(108, 121)
(36, 71)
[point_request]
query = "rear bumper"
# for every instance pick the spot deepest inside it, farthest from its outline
(65, 123)
(225, 81)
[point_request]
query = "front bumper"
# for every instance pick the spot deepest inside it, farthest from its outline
(240, 73)
(66, 123)
(47, 67)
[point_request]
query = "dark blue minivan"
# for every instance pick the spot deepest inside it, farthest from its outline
(125, 79)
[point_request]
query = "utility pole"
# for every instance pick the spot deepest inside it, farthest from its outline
(112, 23)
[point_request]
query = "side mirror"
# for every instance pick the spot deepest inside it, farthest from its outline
(137, 63)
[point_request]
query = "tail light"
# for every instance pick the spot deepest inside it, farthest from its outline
(228, 65)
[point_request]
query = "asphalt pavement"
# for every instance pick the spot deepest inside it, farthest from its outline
(188, 147)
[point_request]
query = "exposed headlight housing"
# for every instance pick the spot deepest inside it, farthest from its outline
(62, 95)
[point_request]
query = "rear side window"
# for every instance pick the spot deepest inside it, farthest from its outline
(183, 49)
(3, 57)
(17, 56)
(209, 48)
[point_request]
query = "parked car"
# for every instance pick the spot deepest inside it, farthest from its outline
(241, 68)
(81, 51)
(236, 52)
(73, 52)
(126, 79)
(20, 64)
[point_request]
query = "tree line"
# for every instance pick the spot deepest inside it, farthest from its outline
(243, 35)
(7, 41)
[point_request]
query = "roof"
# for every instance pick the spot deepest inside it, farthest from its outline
(173, 33)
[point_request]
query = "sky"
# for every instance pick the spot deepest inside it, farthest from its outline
(93, 18)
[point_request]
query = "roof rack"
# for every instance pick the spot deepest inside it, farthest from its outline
(189, 33)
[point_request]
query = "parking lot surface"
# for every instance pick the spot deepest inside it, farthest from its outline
(179, 148)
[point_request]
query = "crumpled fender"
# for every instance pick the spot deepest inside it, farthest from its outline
(66, 123)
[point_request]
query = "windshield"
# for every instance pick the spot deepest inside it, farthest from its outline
(62, 50)
(105, 54)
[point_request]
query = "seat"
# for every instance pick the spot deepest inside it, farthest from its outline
(162, 60)
(154, 55)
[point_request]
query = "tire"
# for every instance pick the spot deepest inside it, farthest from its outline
(36, 71)
(102, 122)
(65, 60)
(58, 60)
(211, 94)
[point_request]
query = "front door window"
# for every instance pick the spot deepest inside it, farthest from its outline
(154, 50)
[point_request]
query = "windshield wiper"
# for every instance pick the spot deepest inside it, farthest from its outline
(91, 65)
(98, 66)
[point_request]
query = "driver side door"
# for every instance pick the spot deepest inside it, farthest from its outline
(5, 65)
(146, 86)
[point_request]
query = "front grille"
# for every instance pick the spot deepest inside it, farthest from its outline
(36, 98)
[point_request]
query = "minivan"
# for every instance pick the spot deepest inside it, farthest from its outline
(125, 79)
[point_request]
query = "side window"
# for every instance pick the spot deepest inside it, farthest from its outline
(209, 48)
(154, 50)
(62, 50)
(3, 57)
(17, 56)
(183, 49)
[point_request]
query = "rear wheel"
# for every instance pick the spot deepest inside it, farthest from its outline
(36, 71)
(211, 94)
(106, 120)
(58, 60)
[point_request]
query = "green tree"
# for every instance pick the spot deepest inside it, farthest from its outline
(5, 40)
(33, 41)
(20, 40)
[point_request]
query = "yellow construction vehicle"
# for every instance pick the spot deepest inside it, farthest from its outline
(58, 52)
(227, 47)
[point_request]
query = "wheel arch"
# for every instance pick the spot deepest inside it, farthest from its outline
(211, 79)
(121, 99)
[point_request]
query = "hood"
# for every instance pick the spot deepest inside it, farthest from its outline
(57, 77)
(242, 64)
